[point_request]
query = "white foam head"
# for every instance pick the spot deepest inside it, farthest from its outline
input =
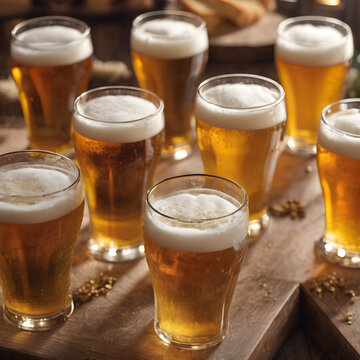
(27, 193)
(241, 106)
(118, 118)
(168, 37)
(53, 45)
(314, 45)
(341, 133)
(204, 235)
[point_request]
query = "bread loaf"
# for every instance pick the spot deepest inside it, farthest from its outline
(214, 21)
(240, 12)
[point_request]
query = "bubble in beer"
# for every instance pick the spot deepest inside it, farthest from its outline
(240, 106)
(25, 193)
(307, 44)
(341, 133)
(197, 220)
(51, 46)
(118, 118)
(169, 39)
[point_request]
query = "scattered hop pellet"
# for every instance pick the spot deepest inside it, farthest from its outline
(95, 287)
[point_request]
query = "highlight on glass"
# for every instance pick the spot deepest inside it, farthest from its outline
(338, 160)
(240, 121)
(196, 234)
(169, 53)
(312, 56)
(118, 132)
(51, 60)
(41, 210)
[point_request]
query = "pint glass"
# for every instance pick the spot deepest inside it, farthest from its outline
(240, 125)
(169, 53)
(195, 232)
(312, 56)
(117, 138)
(41, 209)
(338, 160)
(51, 65)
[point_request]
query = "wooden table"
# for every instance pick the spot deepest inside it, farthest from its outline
(273, 297)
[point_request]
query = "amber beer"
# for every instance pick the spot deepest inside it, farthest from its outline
(51, 65)
(240, 125)
(195, 234)
(169, 53)
(118, 135)
(312, 56)
(41, 209)
(338, 159)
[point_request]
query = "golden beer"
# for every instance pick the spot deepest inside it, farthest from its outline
(195, 241)
(118, 136)
(169, 54)
(51, 65)
(39, 225)
(312, 57)
(241, 123)
(338, 159)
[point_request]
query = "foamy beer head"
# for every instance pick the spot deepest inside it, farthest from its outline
(51, 41)
(169, 34)
(339, 130)
(240, 102)
(118, 114)
(198, 218)
(314, 41)
(36, 187)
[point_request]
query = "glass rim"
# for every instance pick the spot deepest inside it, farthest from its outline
(325, 115)
(308, 19)
(168, 14)
(240, 76)
(159, 107)
(196, 221)
(45, 19)
(45, 152)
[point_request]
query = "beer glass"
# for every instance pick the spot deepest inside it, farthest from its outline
(169, 53)
(117, 136)
(241, 125)
(338, 160)
(51, 65)
(195, 233)
(41, 209)
(312, 56)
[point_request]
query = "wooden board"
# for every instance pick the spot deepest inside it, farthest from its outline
(254, 43)
(266, 303)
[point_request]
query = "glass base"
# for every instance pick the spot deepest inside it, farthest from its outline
(116, 254)
(167, 339)
(177, 152)
(256, 227)
(38, 323)
(300, 148)
(337, 254)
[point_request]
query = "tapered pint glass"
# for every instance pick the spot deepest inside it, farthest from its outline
(41, 210)
(117, 137)
(51, 64)
(312, 56)
(241, 125)
(169, 53)
(338, 160)
(195, 232)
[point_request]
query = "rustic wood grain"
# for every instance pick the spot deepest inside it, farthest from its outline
(272, 296)
(266, 302)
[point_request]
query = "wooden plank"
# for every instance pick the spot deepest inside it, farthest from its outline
(325, 317)
(120, 325)
(265, 304)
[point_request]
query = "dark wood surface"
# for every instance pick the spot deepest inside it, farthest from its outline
(275, 312)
